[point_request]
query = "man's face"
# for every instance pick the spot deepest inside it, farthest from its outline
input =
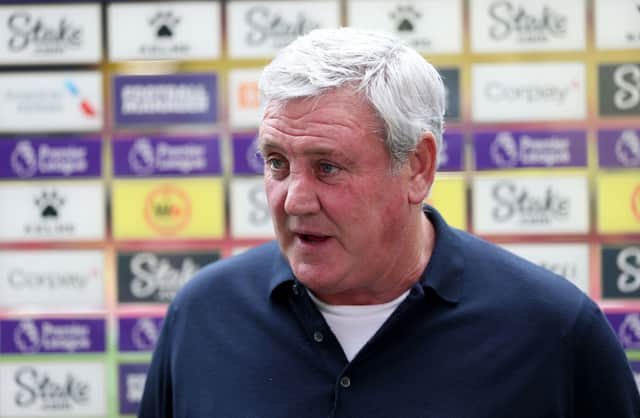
(339, 214)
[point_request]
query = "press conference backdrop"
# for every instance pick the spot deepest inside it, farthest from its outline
(127, 162)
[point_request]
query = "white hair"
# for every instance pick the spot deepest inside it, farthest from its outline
(406, 91)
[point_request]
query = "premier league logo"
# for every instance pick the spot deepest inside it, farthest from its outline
(141, 157)
(24, 161)
(504, 150)
(26, 336)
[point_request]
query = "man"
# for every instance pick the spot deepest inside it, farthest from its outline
(370, 305)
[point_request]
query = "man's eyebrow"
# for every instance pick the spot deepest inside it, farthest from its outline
(265, 146)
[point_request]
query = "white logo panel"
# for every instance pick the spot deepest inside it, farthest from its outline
(52, 280)
(245, 105)
(260, 29)
(66, 211)
(433, 26)
(530, 205)
(250, 215)
(61, 389)
(58, 34)
(184, 30)
(527, 25)
(570, 261)
(617, 24)
(529, 92)
(56, 101)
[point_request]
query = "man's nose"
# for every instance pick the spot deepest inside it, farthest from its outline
(302, 198)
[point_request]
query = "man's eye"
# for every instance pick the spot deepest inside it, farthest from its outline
(275, 164)
(326, 168)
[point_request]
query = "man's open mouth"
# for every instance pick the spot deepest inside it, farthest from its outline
(313, 238)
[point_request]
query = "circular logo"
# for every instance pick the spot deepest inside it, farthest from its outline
(23, 159)
(627, 148)
(167, 209)
(141, 157)
(504, 150)
(26, 336)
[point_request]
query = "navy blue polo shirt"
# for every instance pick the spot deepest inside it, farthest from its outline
(483, 333)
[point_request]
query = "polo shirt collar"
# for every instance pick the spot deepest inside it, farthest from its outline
(443, 273)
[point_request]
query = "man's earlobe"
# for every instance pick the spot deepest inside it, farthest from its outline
(422, 163)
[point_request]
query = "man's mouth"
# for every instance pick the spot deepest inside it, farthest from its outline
(312, 238)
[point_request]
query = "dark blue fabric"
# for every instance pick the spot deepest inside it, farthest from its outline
(483, 334)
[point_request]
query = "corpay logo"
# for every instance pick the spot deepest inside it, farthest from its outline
(627, 148)
(501, 92)
(628, 262)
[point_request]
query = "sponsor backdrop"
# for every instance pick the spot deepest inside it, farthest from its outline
(128, 162)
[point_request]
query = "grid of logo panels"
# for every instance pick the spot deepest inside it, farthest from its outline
(128, 162)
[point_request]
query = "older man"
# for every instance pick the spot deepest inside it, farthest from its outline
(369, 305)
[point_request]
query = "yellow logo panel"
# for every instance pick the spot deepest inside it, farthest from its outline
(619, 202)
(448, 195)
(168, 208)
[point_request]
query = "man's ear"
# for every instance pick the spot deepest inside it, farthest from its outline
(422, 166)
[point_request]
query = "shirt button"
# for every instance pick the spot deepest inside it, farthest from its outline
(318, 337)
(295, 289)
(345, 382)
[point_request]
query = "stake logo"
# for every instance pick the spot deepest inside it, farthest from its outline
(31, 31)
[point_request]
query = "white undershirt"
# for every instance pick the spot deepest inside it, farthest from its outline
(354, 325)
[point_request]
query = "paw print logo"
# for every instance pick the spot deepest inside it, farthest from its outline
(49, 204)
(164, 23)
(405, 17)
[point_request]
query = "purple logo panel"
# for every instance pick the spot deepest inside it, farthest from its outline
(139, 334)
(619, 148)
(46, 157)
(167, 99)
(245, 154)
(451, 153)
(166, 156)
(33, 336)
(131, 378)
(627, 327)
(527, 149)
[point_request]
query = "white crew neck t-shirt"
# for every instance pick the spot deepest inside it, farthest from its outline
(354, 325)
